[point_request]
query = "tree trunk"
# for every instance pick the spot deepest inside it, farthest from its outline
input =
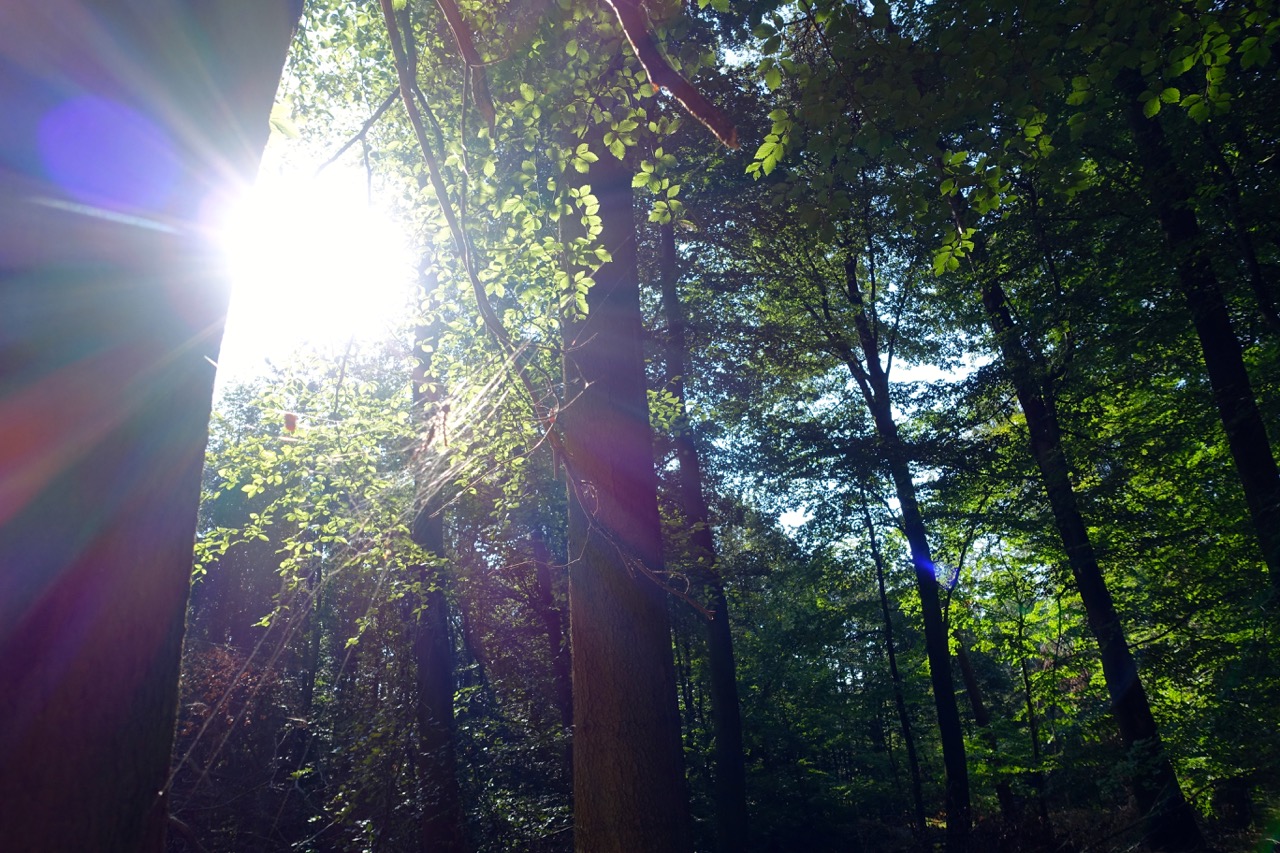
(874, 383)
(899, 698)
(443, 822)
(122, 121)
(1171, 824)
(1033, 732)
(553, 623)
(629, 787)
(1262, 284)
(1223, 358)
(443, 827)
(730, 791)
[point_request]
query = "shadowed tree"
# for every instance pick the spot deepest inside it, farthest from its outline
(124, 120)
(730, 766)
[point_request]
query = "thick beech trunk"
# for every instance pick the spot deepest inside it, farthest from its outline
(443, 828)
(726, 718)
(123, 120)
(1233, 395)
(628, 774)
(443, 823)
(1171, 825)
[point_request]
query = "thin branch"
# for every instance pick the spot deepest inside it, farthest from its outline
(467, 47)
(663, 76)
(364, 129)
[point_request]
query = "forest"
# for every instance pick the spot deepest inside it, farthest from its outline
(819, 426)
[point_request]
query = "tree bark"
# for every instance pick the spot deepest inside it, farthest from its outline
(629, 787)
(1171, 825)
(553, 623)
(874, 384)
(730, 781)
(1168, 191)
(899, 698)
(123, 120)
(443, 828)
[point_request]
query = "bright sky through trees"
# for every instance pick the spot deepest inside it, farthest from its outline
(314, 261)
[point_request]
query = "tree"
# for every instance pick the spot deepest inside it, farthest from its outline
(730, 772)
(628, 770)
(828, 293)
(443, 824)
(128, 120)
(629, 791)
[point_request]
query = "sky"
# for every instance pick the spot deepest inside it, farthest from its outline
(314, 261)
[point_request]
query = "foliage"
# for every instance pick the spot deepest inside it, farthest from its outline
(926, 150)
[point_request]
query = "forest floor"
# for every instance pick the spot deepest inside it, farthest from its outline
(1074, 831)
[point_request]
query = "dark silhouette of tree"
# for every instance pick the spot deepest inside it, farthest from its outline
(125, 122)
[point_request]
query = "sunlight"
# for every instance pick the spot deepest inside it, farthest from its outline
(313, 263)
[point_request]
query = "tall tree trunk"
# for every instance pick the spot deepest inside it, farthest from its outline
(899, 697)
(443, 822)
(1246, 433)
(443, 827)
(314, 632)
(553, 624)
(1263, 284)
(1171, 824)
(726, 719)
(629, 787)
(874, 384)
(123, 120)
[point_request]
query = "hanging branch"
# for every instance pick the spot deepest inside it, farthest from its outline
(490, 318)
(663, 76)
(467, 47)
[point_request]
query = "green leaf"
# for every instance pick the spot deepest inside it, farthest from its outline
(1151, 108)
(282, 123)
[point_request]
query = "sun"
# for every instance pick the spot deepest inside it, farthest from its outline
(313, 262)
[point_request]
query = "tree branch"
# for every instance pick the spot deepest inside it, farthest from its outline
(467, 47)
(364, 129)
(663, 76)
